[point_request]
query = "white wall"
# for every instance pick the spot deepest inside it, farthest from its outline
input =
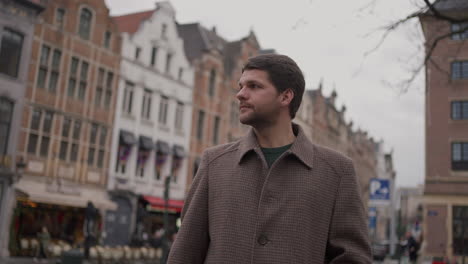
(145, 76)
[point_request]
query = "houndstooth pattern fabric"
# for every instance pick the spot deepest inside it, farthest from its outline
(305, 209)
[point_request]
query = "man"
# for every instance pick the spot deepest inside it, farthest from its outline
(273, 196)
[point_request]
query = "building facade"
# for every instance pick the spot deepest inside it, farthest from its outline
(66, 123)
(446, 179)
(217, 64)
(152, 125)
(17, 19)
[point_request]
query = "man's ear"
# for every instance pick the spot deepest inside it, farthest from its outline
(287, 96)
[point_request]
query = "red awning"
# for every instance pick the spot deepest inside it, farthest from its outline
(158, 203)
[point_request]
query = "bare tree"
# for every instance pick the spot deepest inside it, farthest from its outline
(454, 12)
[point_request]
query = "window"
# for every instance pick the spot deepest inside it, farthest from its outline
(460, 229)
(154, 51)
(128, 98)
(179, 116)
(216, 129)
(107, 39)
(459, 70)
(10, 52)
(60, 17)
(39, 135)
(462, 28)
(6, 112)
(99, 87)
(81, 78)
(97, 142)
(146, 107)
(164, 31)
(200, 126)
(181, 74)
(212, 83)
(137, 53)
(70, 140)
(84, 29)
(460, 110)
(168, 62)
(163, 106)
(108, 95)
(49, 69)
(460, 156)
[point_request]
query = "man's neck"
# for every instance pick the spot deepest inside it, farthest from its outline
(276, 135)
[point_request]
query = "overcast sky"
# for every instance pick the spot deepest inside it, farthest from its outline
(329, 40)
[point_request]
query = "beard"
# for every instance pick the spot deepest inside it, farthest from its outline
(256, 118)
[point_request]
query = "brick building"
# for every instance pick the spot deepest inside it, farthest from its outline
(67, 120)
(446, 181)
(217, 64)
(17, 19)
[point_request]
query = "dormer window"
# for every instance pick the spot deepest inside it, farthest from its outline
(84, 29)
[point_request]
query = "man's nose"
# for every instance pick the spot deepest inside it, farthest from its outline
(241, 94)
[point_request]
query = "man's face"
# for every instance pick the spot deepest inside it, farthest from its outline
(259, 101)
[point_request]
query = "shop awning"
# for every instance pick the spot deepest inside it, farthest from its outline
(179, 151)
(162, 147)
(127, 137)
(39, 193)
(158, 203)
(146, 143)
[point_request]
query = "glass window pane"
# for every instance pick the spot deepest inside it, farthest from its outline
(66, 127)
(110, 78)
(455, 28)
(44, 146)
(107, 99)
(85, 23)
(102, 140)
(44, 55)
(107, 38)
(456, 109)
(456, 152)
(456, 70)
(465, 152)
(100, 161)
(41, 77)
(56, 59)
(63, 150)
(71, 87)
(464, 70)
(32, 143)
(98, 97)
(74, 66)
(10, 52)
(464, 110)
(100, 76)
(77, 130)
(36, 119)
(84, 70)
(48, 117)
(93, 133)
(82, 91)
(4, 134)
(53, 81)
(6, 110)
(74, 152)
(91, 156)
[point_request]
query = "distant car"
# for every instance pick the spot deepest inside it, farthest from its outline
(379, 250)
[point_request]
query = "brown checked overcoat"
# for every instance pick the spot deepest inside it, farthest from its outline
(305, 208)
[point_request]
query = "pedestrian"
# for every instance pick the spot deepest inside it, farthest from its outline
(44, 239)
(272, 196)
(412, 247)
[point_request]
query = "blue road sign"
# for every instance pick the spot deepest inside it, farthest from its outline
(379, 190)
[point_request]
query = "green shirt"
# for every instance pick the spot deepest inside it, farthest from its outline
(272, 154)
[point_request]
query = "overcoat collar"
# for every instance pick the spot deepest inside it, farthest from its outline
(302, 148)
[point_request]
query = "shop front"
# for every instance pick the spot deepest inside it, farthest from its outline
(59, 211)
